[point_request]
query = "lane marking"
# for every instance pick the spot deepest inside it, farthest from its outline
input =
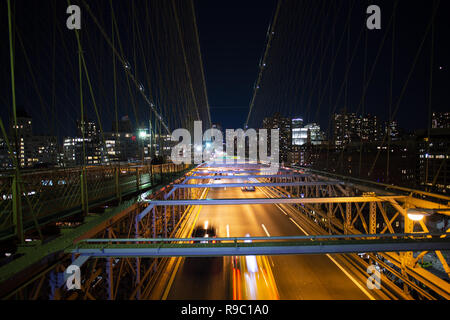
(299, 227)
(335, 262)
(172, 277)
(351, 278)
(282, 210)
(265, 230)
(268, 195)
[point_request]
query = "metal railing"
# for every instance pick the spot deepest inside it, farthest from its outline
(44, 196)
(373, 184)
(279, 245)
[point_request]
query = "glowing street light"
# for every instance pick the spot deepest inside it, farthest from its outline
(142, 134)
(415, 217)
(417, 214)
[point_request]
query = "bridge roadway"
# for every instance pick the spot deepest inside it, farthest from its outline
(299, 277)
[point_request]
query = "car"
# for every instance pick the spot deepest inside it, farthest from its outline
(204, 265)
(249, 188)
(252, 278)
(204, 232)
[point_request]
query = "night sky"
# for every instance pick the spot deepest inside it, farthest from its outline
(232, 47)
(233, 37)
(233, 34)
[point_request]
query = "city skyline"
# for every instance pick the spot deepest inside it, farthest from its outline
(224, 154)
(41, 102)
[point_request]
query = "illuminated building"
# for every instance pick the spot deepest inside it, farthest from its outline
(297, 125)
(440, 120)
(433, 172)
(285, 134)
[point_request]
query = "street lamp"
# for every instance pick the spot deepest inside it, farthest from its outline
(142, 134)
(417, 214)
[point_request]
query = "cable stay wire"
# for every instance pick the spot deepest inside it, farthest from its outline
(126, 64)
(261, 70)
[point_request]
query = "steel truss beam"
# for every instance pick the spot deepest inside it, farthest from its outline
(371, 218)
(242, 165)
(229, 171)
(360, 182)
(251, 176)
(235, 170)
(255, 184)
(272, 201)
(242, 246)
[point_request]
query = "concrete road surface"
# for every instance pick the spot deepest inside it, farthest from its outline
(311, 277)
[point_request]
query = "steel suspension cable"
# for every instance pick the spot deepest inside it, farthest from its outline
(125, 63)
(416, 58)
(271, 33)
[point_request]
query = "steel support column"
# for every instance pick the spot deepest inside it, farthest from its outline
(348, 218)
(84, 193)
(17, 208)
(372, 218)
(117, 177)
(138, 264)
(109, 270)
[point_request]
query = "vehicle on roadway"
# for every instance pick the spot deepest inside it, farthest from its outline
(252, 278)
(204, 232)
(248, 188)
(204, 265)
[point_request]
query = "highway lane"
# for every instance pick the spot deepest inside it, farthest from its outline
(296, 277)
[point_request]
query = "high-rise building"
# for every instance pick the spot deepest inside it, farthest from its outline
(31, 150)
(440, 120)
(163, 145)
(45, 150)
(285, 134)
(391, 128)
(5, 159)
(309, 134)
(74, 149)
(121, 147)
(368, 128)
(344, 128)
(91, 130)
(313, 134)
(24, 126)
(88, 150)
(349, 127)
(433, 160)
(20, 137)
(297, 125)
